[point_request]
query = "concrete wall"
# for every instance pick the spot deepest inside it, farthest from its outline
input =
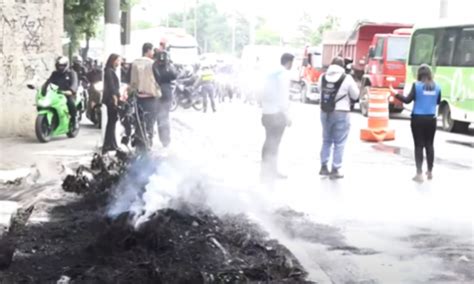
(30, 39)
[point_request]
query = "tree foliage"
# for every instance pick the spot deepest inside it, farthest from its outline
(82, 17)
(311, 32)
(214, 29)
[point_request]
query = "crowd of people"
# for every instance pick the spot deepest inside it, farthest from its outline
(150, 93)
(337, 91)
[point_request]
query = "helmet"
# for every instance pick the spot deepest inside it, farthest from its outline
(77, 59)
(62, 63)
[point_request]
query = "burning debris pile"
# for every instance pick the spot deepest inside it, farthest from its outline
(185, 243)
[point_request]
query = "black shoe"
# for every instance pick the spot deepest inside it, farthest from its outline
(335, 174)
(324, 171)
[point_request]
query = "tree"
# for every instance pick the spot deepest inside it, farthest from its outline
(81, 19)
(309, 32)
(213, 28)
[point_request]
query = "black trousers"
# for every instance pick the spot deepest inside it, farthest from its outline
(163, 121)
(147, 115)
(423, 129)
(274, 125)
(71, 106)
(110, 142)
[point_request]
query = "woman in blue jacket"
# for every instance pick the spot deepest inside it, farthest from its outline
(426, 95)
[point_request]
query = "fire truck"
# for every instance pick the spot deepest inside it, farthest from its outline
(378, 52)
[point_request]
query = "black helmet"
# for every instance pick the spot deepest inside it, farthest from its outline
(62, 63)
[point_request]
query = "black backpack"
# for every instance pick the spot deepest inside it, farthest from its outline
(329, 92)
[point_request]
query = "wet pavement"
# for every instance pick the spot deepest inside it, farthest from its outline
(374, 226)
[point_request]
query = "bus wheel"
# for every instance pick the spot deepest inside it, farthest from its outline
(452, 125)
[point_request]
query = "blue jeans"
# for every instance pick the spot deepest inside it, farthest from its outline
(336, 126)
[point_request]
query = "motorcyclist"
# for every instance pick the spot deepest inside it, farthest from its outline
(67, 82)
(206, 81)
(78, 67)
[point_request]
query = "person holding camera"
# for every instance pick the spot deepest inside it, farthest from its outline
(337, 91)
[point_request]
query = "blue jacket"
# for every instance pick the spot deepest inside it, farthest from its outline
(426, 99)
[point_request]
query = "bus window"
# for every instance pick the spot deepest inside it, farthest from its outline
(445, 49)
(422, 47)
(465, 50)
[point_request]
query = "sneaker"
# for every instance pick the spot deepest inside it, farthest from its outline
(324, 171)
(418, 178)
(335, 174)
(429, 175)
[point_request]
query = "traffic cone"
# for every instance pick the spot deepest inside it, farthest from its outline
(378, 117)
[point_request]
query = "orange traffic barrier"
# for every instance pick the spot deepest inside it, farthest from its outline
(378, 117)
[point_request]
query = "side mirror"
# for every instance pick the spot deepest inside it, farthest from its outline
(371, 52)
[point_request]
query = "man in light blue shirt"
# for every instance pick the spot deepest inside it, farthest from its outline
(275, 118)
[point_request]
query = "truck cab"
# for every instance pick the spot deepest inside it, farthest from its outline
(306, 88)
(385, 66)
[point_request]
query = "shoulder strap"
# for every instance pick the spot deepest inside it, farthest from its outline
(338, 86)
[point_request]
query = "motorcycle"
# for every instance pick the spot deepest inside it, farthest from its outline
(94, 104)
(53, 117)
(186, 95)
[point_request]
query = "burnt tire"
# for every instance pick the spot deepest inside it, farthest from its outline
(43, 130)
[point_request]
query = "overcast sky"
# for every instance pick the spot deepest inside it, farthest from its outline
(282, 15)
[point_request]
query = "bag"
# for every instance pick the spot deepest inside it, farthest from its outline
(329, 92)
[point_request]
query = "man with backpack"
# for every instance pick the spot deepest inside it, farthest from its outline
(337, 91)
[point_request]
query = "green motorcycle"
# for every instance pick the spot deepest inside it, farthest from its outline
(53, 117)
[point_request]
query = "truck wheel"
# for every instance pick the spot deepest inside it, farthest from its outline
(364, 101)
(452, 125)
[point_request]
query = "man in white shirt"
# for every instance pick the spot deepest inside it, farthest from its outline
(275, 118)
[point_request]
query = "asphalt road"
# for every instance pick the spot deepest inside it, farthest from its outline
(374, 226)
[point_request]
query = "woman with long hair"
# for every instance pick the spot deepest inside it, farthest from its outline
(426, 95)
(110, 98)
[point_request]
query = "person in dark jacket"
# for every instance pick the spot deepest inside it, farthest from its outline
(165, 73)
(110, 98)
(66, 80)
(426, 95)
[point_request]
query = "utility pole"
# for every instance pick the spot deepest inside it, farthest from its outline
(111, 42)
(112, 27)
(233, 32)
(125, 32)
(184, 15)
(443, 9)
(195, 18)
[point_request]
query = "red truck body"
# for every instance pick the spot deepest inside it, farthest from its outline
(378, 54)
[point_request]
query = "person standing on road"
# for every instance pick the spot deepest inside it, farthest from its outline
(110, 98)
(206, 83)
(275, 116)
(427, 96)
(165, 74)
(143, 83)
(337, 91)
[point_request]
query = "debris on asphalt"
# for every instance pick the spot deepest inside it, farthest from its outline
(184, 244)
